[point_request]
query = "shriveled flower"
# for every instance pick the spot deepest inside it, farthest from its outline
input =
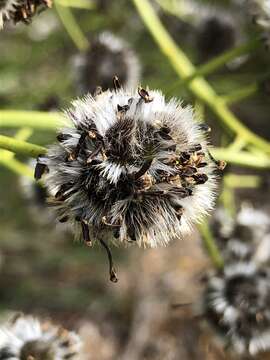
(134, 168)
(237, 305)
(107, 56)
(21, 10)
(27, 338)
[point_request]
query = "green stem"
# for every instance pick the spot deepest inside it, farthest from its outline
(199, 87)
(71, 26)
(242, 181)
(223, 59)
(241, 94)
(210, 245)
(32, 119)
(16, 166)
(80, 4)
(242, 158)
(21, 147)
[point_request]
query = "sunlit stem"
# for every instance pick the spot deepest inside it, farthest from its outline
(210, 245)
(21, 147)
(33, 119)
(72, 27)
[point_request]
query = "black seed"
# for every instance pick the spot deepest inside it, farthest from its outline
(63, 219)
(188, 171)
(124, 108)
(144, 95)
(85, 233)
(200, 178)
(184, 157)
(202, 164)
(62, 137)
(40, 169)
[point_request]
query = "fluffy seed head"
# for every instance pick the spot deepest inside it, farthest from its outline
(237, 304)
(108, 55)
(21, 10)
(27, 338)
(244, 236)
(133, 167)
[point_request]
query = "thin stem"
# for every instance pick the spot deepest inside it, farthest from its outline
(237, 145)
(242, 181)
(242, 158)
(210, 245)
(32, 119)
(72, 28)
(241, 94)
(221, 60)
(227, 198)
(199, 87)
(80, 4)
(21, 147)
(15, 165)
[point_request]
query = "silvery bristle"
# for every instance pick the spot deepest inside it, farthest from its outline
(27, 337)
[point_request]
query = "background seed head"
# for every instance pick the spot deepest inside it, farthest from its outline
(237, 305)
(26, 337)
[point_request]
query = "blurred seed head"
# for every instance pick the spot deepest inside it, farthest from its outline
(216, 34)
(107, 56)
(237, 305)
(21, 10)
(28, 338)
(243, 236)
(134, 168)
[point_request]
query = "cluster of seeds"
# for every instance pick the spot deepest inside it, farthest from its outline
(133, 168)
(21, 10)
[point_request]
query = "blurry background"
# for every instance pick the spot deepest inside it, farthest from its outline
(42, 270)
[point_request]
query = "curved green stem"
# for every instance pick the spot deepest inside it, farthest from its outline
(21, 147)
(210, 245)
(242, 158)
(71, 26)
(80, 4)
(221, 60)
(242, 181)
(199, 87)
(32, 119)
(15, 165)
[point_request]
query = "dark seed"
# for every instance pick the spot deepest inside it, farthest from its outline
(200, 178)
(40, 169)
(144, 95)
(62, 137)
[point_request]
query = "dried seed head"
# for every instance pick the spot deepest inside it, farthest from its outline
(21, 10)
(237, 305)
(108, 55)
(133, 168)
(243, 236)
(27, 338)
